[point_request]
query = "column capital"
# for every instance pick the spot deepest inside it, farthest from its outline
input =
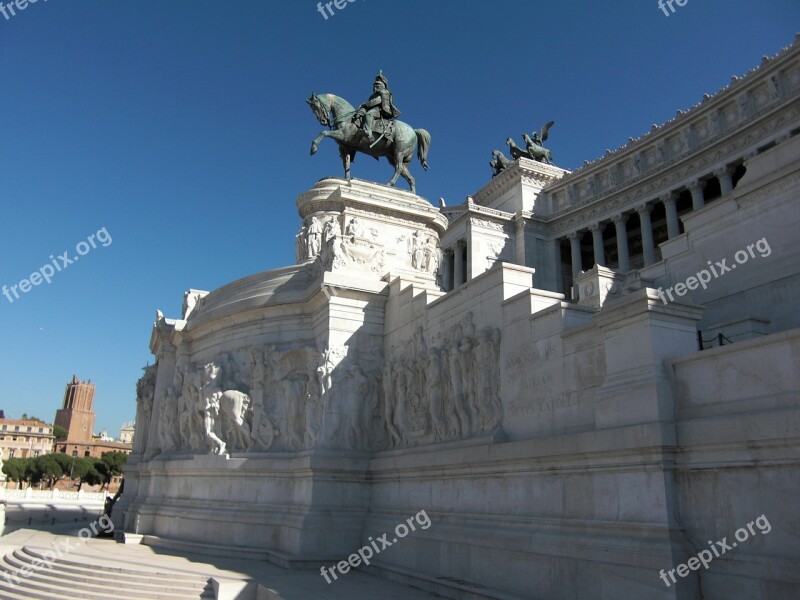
(643, 208)
(668, 197)
(621, 218)
(574, 235)
(696, 186)
(597, 227)
(724, 171)
(462, 243)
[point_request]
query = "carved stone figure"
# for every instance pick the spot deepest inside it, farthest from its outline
(434, 385)
(459, 408)
(230, 374)
(313, 238)
(225, 414)
(389, 401)
(417, 250)
(301, 246)
(331, 231)
(354, 419)
(191, 302)
(296, 395)
(145, 392)
(355, 228)
(431, 252)
(167, 423)
(211, 395)
(262, 429)
(192, 420)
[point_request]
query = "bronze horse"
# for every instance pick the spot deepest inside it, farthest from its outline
(398, 147)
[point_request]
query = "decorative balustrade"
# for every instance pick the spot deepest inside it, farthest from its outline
(32, 495)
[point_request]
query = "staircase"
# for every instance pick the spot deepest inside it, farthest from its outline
(62, 579)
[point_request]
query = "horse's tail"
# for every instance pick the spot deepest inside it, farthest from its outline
(423, 145)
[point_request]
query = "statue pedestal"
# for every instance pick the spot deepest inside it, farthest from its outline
(366, 231)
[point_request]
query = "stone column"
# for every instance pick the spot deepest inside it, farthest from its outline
(447, 269)
(725, 176)
(519, 238)
(673, 226)
(557, 260)
(696, 188)
(622, 243)
(647, 233)
(458, 277)
(575, 244)
(597, 239)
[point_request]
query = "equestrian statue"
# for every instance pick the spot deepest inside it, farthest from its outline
(373, 129)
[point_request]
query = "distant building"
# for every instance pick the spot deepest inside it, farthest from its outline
(77, 417)
(126, 432)
(25, 438)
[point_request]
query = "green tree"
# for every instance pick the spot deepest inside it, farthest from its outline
(86, 471)
(64, 461)
(46, 468)
(59, 432)
(32, 474)
(112, 465)
(15, 469)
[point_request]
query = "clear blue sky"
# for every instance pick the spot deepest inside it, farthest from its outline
(180, 126)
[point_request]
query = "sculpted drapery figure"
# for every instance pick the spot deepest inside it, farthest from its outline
(448, 390)
(313, 238)
(145, 392)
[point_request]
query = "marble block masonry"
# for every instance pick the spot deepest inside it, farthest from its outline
(519, 380)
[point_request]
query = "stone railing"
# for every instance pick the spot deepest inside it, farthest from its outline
(52, 495)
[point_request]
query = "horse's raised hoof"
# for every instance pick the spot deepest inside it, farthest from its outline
(313, 149)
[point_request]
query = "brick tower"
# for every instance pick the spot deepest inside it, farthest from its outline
(77, 416)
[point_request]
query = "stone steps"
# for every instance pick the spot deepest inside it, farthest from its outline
(68, 579)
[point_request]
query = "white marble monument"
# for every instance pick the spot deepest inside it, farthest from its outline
(520, 379)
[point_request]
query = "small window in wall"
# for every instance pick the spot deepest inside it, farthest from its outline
(74, 453)
(87, 453)
(11, 453)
